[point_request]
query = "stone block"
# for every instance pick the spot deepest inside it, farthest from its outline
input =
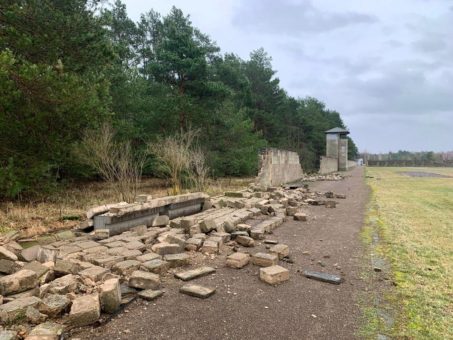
(300, 217)
(274, 274)
(96, 250)
(34, 316)
(126, 267)
(135, 245)
(149, 294)
(281, 250)
(87, 244)
(225, 237)
(165, 248)
(85, 310)
(9, 267)
(177, 260)
(264, 260)
(7, 255)
(37, 267)
(237, 260)
(207, 225)
(194, 273)
(245, 241)
(46, 254)
(193, 244)
(64, 267)
(15, 310)
(324, 277)
(330, 204)
(257, 233)
(244, 227)
(116, 251)
(54, 304)
(131, 254)
(46, 331)
(29, 254)
(94, 273)
(63, 285)
(197, 291)
(291, 211)
(110, 295)
(144, 280)
(18, 282)
(148, 257)
(140, 230)
(177, 239)
(157, 266)
(210, 247)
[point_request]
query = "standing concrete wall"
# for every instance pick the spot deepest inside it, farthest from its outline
(328, 165)
(343, 155)
(278, 167)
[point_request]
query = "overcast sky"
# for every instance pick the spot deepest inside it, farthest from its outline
(386, 66)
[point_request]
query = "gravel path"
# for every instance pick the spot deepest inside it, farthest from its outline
(246, 308)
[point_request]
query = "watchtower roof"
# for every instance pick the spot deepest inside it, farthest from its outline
(337, 130)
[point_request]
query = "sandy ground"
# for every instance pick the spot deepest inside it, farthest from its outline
(246, 308)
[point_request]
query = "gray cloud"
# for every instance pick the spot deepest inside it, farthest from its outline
(294, 18)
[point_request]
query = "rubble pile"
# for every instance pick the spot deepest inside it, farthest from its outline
(73, 280)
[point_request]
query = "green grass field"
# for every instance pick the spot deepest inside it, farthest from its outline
(414, 216)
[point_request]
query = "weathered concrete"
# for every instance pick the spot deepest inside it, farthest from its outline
(194, 273)
(197, 291)
(324, 277)
(85, 310)
(237, 260)
(278, 167)
(274, 274)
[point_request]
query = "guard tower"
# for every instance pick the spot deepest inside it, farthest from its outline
(337, 147)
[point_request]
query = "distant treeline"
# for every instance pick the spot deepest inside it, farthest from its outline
(407, 158)
(70, 66)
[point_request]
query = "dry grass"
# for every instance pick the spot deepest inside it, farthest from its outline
(416, 224)
(51, 214)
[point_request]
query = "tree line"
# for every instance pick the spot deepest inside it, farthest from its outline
(68, 67)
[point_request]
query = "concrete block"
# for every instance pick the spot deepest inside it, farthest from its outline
(165, 248)
(54, 304)
(194, 273)
(126, 267)
(150, 294)
(18, 282)
(197, 291)
(274, 275)
(177, 260)
(245, 241)
(144, 280)
(264, 260)
(281, 250)
(237, 260)
(110, 295)
(300, 217)
(157, 266)
(85, 310)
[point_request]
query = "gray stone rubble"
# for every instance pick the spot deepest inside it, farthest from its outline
(73, 278)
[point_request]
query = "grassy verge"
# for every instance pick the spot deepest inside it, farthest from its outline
(414, 219)
(65, 209)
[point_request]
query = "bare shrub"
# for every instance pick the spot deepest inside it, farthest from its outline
(177, 157)
(199, 169)
(115, 161)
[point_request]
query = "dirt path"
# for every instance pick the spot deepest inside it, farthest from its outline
(245, 308)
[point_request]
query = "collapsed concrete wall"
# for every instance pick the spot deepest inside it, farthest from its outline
(328, 165)
(278, 167)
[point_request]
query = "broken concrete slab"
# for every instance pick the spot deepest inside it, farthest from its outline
(144, 280)
(324, 277)
(148, 257)
(85, 310)
(237, 260)
(194, 273)
(197, 291)
(126, 267)
(264, 260)
(150, 295)
(274, 274)
(281, 250)
(46, 331)
(110, 295)
(157, 266)
(94, 273)
(166, 248)
(14, 310)
(18, 282)
(177, 260)
(245, 241)
(54, 304)
(7, 255)
(63, 285)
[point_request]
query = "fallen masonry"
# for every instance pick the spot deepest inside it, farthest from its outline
(73, 277)
(324, 277)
